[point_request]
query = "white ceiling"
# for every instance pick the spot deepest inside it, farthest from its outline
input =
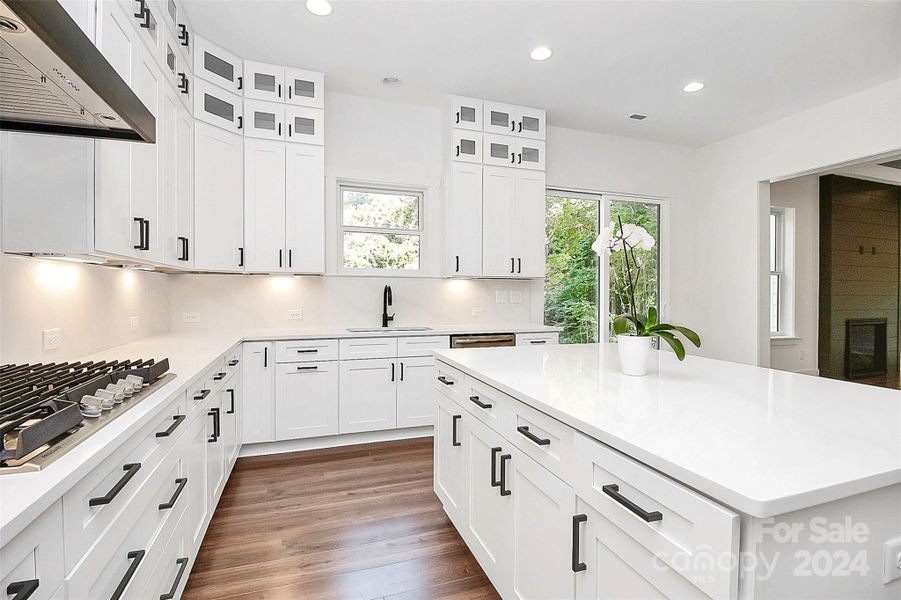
(761, 60)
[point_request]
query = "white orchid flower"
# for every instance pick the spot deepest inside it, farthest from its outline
(635, 236)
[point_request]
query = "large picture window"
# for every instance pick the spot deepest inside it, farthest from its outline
(381, 229)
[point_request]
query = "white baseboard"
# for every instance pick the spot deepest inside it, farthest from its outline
(334, 441)
(814, 372)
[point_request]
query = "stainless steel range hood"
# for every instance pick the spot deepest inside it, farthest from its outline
(53, 80)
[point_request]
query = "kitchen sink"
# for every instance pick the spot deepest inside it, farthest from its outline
(386, 329)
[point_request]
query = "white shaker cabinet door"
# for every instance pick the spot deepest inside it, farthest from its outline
(230, 405)
(218, 107)
(265, 120)
(264, 206)
(451, 458)
(218, 199)
(257, 406)
(305, 88)
(217, 65)
(415, 395)
(463, 222)
(264, 81)
(305, 208)
(305, 125)
(184, 220)
(368, 395)
(529, 221)
(169, 130)
(466, 113)
(306, 400)
(499, 232)
(198, 510)
(467, 146)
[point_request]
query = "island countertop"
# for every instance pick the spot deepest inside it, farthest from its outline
(762, 441)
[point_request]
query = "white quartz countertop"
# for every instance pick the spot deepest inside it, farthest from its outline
(24, 496)
(762, 441)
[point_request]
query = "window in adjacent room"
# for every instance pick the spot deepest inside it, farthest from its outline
(781, 262)
(381, 229)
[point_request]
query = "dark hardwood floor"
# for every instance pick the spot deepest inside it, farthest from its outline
(359, 522)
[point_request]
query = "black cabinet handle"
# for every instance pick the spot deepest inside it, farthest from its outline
(612, 490)
(22, 590)
(513, 158)
(512, 265)
(458, 263)
(512, 125)
(445, 380)
(240, 257)
(202, 395)
(279, 93)
(577, 565)
(279, 129)
(240, 82)
(520, 127)
(495, 482)
(131, 470)
(402, 371)
(147, 239)
(140, 223)
(180, 486)
(289, 92)
(233, 363)
(143, 7)
(135, 556)
(183, 83)
(265, 356)
(458, 116)
(475, 400)
(289, 130)
(454, 420)
(214, 412)
(290, 251)
(524, 429)
(280, 258)
(183, 34)
(519, 265)
(519, 158)
(538, 341)
(219, 376)
(184, 248)
(307, 350)
(458, 149)
(310, 368)
(504, 459)
(240, 122)
(182, 565)
(231, 397)
(176, 421)
(392, 371)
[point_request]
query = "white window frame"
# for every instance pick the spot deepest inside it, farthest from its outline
(420, 232)
(784, 271)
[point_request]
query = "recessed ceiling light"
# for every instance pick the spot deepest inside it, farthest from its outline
(321, 8)
(541, 53)
(391, 81)
(694, 86)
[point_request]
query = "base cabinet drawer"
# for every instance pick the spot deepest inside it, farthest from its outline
(421, 345)
(368, 348)
(306, 350)
(33, 560)
(537, 339)
(170, 574)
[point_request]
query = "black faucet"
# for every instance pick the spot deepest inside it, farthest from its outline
(386, 302)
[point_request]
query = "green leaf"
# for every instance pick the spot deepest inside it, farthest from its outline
(620, 325)
(690, 335)
(674, 343)
(652, 316)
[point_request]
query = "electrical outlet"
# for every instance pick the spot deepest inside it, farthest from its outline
(892, 560)
(501, 296)
(53, 338)
(515, 296)
(478, 312)
(295, 314)
(190, 317)
(134, 323)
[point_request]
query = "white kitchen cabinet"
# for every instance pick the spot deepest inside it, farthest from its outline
(170, 58)
(184, 219)
(264, 81)
(451, 456)
(199, 508)
(33, 559)
(499, 118)
(265, 120)
(184, 83)
(306, 400)
(463, 221)
(500, 237)
(305, 125)
(217, 106)
(258, 393)
(537, 339)
(229, 419)
(177, 194)
(415, 399)
(529, 221)
(499, 150)
(530, 122)
(218, 199)
(149, 20)
(305, 88)
(305, 208)
(217, 65)
(216, 452)
(264, 206)
(466, 146)
(529, 154)
(466, 113)
(367, 395)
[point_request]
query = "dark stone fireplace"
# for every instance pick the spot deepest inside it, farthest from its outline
(865, 347)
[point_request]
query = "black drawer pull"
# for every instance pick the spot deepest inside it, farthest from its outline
(310, 368)
(495, 482)
(504, 459)
(475, 400)
(176, 421)
(182, 565)
(445, 380)
(202, 395)
(538, 341)
(454, 420)
(233, 363)
(577, 565)
(22, 590)
(231, 396)
(135, 556)
(524, 429)
(131, 470)
(612, 490)
(214, 412)
(181, 481)
(307, 350)
(219, 376)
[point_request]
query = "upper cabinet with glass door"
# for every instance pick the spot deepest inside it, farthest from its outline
(146, 17)
(217, 65)
(304, 88)
(508, 119)
(177, 22)
(264, 81)
(466, 113)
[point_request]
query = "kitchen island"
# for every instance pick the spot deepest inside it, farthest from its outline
(703, 479)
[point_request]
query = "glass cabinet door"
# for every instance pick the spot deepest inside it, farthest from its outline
(264, 82)
(499, 150)
(264, 120)
(466, 113)
(530, 123)
(217, 107)
(499, 118)
(305, 88)
(305, 125)
(218, 66)
(530, 154)
(467, 146)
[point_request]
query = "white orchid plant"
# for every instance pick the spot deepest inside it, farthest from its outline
(627, 238)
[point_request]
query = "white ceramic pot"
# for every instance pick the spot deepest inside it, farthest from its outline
(633, 354)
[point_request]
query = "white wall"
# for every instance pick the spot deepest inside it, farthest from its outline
(731, 296)
(92, 305)
(799, 352)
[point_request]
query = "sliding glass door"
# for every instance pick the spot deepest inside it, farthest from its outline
(582, 289)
